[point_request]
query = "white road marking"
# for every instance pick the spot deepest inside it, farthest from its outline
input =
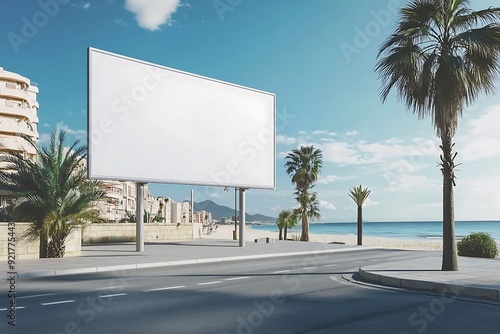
(166, 288)
(358, 261)
(17, 308)
(281, 271)
(59, 302)
(208, 283)
(34, 296)
(331, 265)
(236, 278)
(309, 268)
(114, 295)
(373, 260)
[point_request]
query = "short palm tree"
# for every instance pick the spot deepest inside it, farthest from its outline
(288, 220)
(53, 191)
(359, 196)
(303, 165)
(440, 58)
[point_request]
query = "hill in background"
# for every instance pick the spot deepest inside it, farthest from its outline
(220, 211)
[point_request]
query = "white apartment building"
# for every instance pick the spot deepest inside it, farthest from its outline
(18, 114)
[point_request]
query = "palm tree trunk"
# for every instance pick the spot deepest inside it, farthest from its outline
(281, 234)
(56, 247)
(450, 261)
(42, 248)
(286, 232)
(305, 227)
(360, 225)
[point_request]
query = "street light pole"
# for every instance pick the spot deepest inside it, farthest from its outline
(235, 219)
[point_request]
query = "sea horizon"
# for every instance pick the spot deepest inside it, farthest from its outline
(411, 230)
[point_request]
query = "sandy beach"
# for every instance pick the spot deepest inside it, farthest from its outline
(226, 232)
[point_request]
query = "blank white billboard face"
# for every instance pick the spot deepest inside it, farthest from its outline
(148, 123)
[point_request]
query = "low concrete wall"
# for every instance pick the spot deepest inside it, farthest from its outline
(30, 249)
(121, 232)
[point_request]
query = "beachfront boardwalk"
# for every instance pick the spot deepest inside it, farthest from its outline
(476, 277)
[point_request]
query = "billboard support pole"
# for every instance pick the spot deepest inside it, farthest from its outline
(242, 217)
(139, 218)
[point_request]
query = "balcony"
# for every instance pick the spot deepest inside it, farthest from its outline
(16, 144)
(14, 126)
(20, 111)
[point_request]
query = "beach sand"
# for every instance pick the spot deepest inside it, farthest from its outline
(226, 232)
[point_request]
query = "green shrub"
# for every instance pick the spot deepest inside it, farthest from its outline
(478, 245)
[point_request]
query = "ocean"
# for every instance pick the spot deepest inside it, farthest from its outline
(413, 230)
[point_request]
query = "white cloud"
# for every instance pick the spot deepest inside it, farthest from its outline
(351, 133)
(280, 139)
(152, 14)
(46, 124)
(319, 132)
(86, 5)
(482, 137)
(44, 138)
(120, 22)
(302, 133)
(370, 202)
(282, 155)
(339, 152)
(78, 134)
(334, 178)
(327, 205)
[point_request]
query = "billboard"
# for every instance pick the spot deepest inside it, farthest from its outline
(150, 123)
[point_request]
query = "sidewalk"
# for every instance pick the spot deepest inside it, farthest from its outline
(476, 277)
(122, 256)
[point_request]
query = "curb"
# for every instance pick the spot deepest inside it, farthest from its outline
(439, 287)
(60, 272)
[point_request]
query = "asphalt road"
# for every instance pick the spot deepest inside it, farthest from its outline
(277, 295)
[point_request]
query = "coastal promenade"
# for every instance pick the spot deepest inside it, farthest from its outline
(478, 278)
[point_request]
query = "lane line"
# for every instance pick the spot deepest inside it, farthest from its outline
(308, 268)
(358, 261)
(281, 271)
(166, 288)
(59, 302)
(34, 296)
(373, 260)
(208, 283)
(236, 278)
(114, 295)
(331, 265)
(17, 308)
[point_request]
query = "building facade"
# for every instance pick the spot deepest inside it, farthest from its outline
(18, 114)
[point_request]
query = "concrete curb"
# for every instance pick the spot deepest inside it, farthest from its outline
(59, 272)
(443, 288)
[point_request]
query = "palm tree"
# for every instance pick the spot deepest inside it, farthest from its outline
(53, 191)
(439, 59)
(303, 166)
(286, 219)
(359, 197)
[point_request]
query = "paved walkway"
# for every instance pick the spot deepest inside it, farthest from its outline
(122, 256)
(476, 277)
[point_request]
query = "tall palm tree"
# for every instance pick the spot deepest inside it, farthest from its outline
(304, 166)
(359, 196)
(53, 191)
(441, 56)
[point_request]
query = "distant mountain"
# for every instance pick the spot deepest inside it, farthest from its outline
(220, 211)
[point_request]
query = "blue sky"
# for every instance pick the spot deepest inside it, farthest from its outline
(317, 56)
